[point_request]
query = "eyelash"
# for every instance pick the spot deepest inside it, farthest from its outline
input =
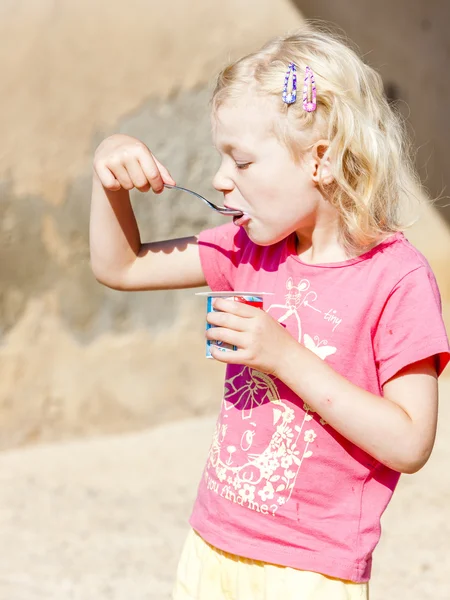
(242, 166)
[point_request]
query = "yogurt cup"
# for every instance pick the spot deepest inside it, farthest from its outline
(250, 298)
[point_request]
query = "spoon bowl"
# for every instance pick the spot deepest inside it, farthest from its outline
(228, 212)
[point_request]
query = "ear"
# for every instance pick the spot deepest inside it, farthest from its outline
(322, 168)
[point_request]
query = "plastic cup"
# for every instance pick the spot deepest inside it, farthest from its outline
(250, 298)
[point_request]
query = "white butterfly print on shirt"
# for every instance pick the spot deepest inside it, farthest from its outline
(317, 346)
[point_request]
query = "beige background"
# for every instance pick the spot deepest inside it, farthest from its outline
(78, 361)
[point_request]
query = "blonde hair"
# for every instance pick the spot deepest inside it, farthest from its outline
(369, 153)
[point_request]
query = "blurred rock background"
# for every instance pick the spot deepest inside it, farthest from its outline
(77, 358)
(79, 361)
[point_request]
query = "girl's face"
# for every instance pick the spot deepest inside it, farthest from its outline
(258, 176)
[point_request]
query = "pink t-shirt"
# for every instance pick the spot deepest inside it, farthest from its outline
(280, 485)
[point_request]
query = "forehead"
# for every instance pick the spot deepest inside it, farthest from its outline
(247, 121)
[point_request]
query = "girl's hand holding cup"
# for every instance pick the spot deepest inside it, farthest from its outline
(260, 341)
(124, 162)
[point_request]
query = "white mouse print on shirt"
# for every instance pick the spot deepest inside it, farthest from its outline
(297, 296)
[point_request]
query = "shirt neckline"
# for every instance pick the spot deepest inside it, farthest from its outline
(292, 249)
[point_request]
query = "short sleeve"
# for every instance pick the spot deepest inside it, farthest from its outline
(411, 327)
(220, 254)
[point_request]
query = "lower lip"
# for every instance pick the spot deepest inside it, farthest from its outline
(241, 221)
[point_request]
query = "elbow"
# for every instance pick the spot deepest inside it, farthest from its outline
(413, 462)
(412, 467)
(105, 277)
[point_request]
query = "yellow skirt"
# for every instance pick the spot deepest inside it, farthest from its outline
(206, 573)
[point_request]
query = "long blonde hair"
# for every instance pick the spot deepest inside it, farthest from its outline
(369, 151)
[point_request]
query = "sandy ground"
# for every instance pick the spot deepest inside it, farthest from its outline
(105, 518)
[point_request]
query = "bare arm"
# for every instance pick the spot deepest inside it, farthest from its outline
(398, 428)
(118, 257)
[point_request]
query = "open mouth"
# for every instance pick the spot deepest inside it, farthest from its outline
(241, 220)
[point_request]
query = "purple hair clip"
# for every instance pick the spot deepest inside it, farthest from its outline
(309, 91)
(290, 97)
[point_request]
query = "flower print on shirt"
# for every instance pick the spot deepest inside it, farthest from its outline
(255, 478)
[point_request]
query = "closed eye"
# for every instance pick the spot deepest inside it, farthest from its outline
(242, 165)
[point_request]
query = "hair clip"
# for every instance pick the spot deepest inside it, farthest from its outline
(290, 97)
(309, 91)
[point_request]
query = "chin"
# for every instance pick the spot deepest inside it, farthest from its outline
(264, 239)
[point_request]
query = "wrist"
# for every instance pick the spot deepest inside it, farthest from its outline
(288, 361)
(306, 374)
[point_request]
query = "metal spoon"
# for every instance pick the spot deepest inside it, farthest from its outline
(228, 212)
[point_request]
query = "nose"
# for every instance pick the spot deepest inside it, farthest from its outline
(222, 182)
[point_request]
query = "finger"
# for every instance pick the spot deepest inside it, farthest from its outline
(235, 308)
(106, 178)
(121, 174)
(227, 336)
(151, 171)
(222, 319)
(230, 357)
(137, 175)
(145, 188)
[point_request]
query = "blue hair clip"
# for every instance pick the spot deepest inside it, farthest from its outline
(290, 97)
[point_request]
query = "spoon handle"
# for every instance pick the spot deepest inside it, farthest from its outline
(230, 212)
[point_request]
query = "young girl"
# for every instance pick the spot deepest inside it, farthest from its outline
(332, 391)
